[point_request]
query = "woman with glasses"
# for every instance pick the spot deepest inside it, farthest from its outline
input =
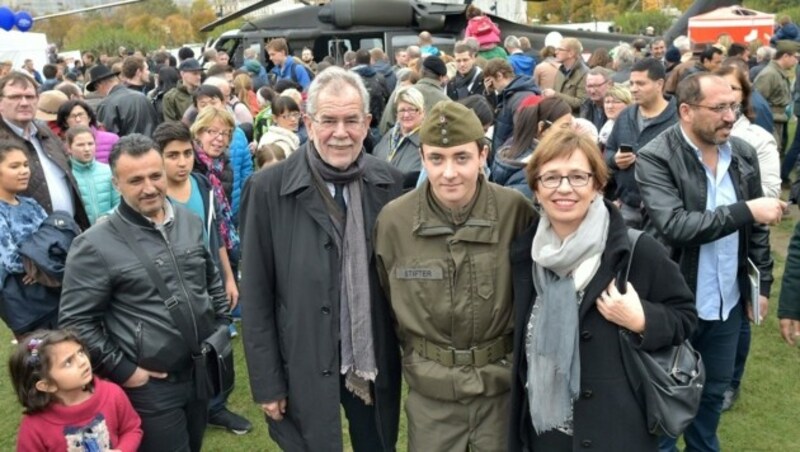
(400, 145)
(617, 98)
(569, 388)
(769, 161)
(535, 118)
(285, 122)
(79, 113)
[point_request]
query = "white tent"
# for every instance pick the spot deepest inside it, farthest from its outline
(17, 47)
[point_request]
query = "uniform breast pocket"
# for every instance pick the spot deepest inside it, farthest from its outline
(421, 286)
(483, 267)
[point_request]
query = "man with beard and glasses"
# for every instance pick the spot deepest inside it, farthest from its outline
(319, 332)
(702, 191)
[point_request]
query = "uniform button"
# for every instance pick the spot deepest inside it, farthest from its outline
(325, 310)
(326, 373)
(587, 394)
(585, 335)
(587, 443)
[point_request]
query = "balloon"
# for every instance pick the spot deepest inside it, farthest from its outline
(24, 21)
(7, 18)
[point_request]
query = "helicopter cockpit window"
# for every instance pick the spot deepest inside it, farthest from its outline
(443, 43)
(338, 47)
(370, 43)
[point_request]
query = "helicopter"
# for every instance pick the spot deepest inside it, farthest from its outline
(342, 25)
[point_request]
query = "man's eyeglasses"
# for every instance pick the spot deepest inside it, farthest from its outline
(78, 115)
(599, 85)
(720, 109)
(19, 97)
(576, 179)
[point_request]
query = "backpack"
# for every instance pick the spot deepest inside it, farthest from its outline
(300, 64)
(378, 95)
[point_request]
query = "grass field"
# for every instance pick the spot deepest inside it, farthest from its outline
(764, 419)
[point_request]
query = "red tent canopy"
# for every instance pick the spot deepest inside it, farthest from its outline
(744, 25)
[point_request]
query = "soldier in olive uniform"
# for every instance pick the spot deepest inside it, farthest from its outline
(442, 253)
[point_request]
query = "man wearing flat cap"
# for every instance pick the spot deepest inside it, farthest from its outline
(122, 111)
(442, 256)
(431, 85)
(773, 83)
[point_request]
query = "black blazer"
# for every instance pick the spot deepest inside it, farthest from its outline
(607, 415)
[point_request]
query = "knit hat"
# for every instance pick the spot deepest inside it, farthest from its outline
(673, 55)
(252, 66)
(435, 65)
(450, 124)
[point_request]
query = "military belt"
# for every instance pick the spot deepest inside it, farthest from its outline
(477, 356)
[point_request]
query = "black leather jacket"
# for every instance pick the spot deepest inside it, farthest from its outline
(672, 183)
(114, 306)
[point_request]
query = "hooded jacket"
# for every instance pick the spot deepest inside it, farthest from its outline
(523, 64)
(508, 101)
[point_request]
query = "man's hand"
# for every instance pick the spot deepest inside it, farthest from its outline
(232, 293)
(141, 376)
(790, 330)
(763, 305)
(275, 410)
(548, 92)
(767, 210)
(624, 310)
(624, 159)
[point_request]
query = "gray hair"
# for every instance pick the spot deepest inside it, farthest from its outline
(511, 42)
(765, 53)
(250, 53)
(682, 43)
(215, 81)
(600, 70)
(336, 79)
(623, 54)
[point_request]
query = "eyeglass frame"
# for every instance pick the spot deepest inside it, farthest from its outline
(720, 109)
(586, 174)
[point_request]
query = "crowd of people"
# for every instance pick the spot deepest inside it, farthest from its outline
(457, 222)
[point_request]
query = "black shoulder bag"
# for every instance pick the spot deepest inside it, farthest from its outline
(669, 380)
(213, 371)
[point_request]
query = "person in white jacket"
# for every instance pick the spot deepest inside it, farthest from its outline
(763, 141)
(285, 121)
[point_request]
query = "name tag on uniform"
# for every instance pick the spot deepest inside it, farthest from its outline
(419, 273)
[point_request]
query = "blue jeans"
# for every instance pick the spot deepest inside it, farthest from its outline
(717, 342)
(790, 159)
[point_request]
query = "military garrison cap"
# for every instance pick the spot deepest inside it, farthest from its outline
(450, 124)
(788, 46)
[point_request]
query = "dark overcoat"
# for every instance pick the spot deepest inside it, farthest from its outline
(290, 303)
(607, 414)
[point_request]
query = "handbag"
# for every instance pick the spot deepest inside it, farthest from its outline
(213, 371)
(669, 381)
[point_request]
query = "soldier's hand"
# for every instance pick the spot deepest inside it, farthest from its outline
(790, 330)
(624, 310)
(624, 159)
(767, 210)
(275, 410)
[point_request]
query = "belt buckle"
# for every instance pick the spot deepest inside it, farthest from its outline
(463, 357)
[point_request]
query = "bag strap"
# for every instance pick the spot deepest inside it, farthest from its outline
(633, 237)
(183, 321)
